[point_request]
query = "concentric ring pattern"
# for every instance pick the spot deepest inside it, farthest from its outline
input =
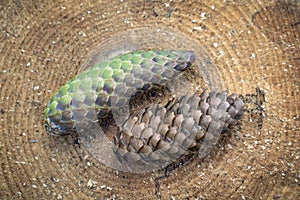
(252, 44)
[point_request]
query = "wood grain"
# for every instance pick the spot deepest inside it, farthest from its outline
(252, 44)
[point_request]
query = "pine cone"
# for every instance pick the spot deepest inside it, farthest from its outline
(163, 134)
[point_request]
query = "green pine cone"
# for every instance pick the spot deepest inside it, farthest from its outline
(90, 96)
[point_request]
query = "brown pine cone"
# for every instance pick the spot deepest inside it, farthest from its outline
(161, 135)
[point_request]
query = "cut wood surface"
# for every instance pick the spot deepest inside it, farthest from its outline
(252, 44)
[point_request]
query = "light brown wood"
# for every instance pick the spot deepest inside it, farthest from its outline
(251, 43)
